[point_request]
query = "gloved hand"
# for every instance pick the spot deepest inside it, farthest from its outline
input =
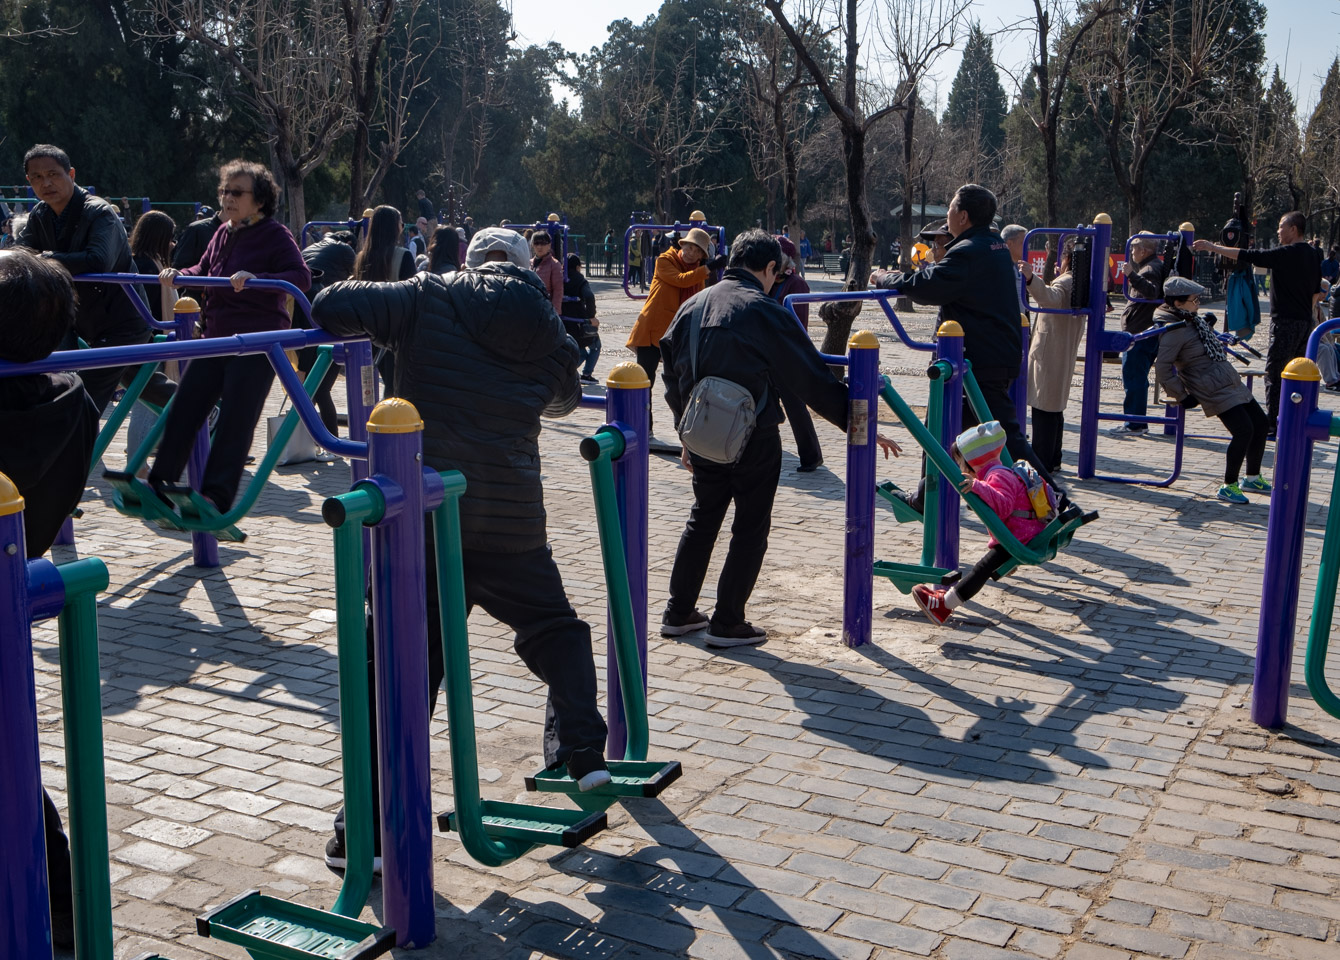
(1187, 402)
(716, 263)
(1210, 319)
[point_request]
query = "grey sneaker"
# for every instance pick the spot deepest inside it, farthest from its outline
(673, 626)
(1129, 429)
(741, 635)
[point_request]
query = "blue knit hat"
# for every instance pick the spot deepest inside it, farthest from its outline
(981, 444)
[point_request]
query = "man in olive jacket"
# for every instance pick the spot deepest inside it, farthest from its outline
(482, 356)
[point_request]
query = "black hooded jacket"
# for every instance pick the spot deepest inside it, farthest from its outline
(48, 426)
(482, 356)
(92, 240)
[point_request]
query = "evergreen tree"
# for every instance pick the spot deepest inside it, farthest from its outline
(977, 102)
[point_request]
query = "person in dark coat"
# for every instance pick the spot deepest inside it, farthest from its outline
(1145, 273)
(482, 356)
(195, 238)
(791, 281)
(747, 337)
(331, 261)
(83, 234)
(975, 285)
(48, 427)
(579, 317)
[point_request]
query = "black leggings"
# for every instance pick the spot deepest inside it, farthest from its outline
(1248, 425)
(649, 358)
(996, 557)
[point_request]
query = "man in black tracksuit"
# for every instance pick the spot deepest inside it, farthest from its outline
(747, 337)
(975, 285)
(1295, 286)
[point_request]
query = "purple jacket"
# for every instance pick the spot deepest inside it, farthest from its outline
(265, 249)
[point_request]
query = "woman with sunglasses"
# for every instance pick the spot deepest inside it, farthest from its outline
(249, 245)
(1193, 368)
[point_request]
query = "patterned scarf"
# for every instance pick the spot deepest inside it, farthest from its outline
(1214, 347)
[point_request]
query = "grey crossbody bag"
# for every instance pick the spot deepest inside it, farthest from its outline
(719, 416)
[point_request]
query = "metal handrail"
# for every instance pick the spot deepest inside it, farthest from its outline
(880, 296)
(255, 283)
(1053, 231)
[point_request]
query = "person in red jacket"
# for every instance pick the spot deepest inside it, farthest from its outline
(547, 266)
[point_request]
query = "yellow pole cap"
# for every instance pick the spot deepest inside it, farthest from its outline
(627, 375)
(698, 215)
(1187, 226)
(950, 328)
(1301, 368)
(367, 213)
(10, 500)
(553, 218)
(186, 305)
(1102, 218)
(394, 415)
(863, 340)
(1023, 319)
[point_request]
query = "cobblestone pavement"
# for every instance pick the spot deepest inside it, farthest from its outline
(1067, 772)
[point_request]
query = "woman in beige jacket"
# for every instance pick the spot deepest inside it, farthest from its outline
(1051, 356)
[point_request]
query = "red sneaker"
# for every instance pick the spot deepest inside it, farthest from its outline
(931, 600)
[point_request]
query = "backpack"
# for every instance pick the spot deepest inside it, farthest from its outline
(1041, 495)
(719, 416)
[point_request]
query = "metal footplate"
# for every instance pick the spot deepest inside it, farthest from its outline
(552, 826)
(905, 576)
(901, 511)
(629, 778)
(200, 513)
(273, 929)
(134, 498)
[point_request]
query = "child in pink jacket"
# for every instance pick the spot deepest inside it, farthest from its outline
(977, 452)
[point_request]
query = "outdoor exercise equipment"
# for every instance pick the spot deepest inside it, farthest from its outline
(1183, 238)
(1301, 425)
(355, 226)
(636, 226)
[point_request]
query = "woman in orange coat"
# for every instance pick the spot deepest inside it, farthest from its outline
(680, 273)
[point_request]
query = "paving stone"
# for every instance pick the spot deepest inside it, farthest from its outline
(1280, 920)
(1136, 939)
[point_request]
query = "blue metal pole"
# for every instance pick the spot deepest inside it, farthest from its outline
(1093, 352)
(25, 916)
(858, 586)
(628, 406)
(400, 616)
(1020, 387)
(204, 547)
(950, 348)
(360, 393)
(1284, 541)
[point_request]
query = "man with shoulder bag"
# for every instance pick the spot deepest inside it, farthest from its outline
(725, 352)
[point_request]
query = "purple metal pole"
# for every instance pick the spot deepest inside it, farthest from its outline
(66, 535)
(628, 405)
(1093, 352)
(858, 577)
(25, 916)
(1020, 386)
(949, 346)
(204, 548)
(400, 617)
(360, 392)
(1284, 541)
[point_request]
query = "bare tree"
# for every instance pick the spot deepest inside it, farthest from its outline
(1139, 71)
(291, 56)
(367, 26)
(1262, 132)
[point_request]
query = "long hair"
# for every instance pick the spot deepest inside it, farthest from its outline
(444, 252)
(374, 260)
(152, 237)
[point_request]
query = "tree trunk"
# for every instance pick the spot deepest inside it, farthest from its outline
(791, 178)
(840, 316)
(903, 304)
(297, 202)
(358, 166)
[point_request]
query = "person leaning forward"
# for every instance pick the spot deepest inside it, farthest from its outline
(750, 339)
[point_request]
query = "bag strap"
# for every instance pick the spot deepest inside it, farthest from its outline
(695, 321)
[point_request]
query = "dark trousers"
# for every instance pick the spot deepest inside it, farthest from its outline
(325, 403)
(1048, 433)
(524, 591)
(802, 428)
(1288, 339)
(649, 358)
(102, 383)
(752, 485)
(1247, 424)
(995, 557)
(58, 863)
(240, 385)
(1135, 366)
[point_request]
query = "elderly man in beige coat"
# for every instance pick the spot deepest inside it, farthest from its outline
(1051, 356)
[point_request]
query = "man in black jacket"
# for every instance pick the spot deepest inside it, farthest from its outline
(83, 234)
(482, 356)
(975, 285)
(194, 239)
(1295, 289)
(747, 337)
(48, 426)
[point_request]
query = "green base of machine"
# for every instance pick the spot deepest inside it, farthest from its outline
(901, 511)
(199, 513)
(552, 826)
(905, 576)
(272, 929)
(134, 498)
(630, 778)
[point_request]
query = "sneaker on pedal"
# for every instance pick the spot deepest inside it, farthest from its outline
(587, 767)
(913, 504)
(1256, 485)
(1129, 429)
(338, 859)
(931, 600)
(1232, 493)
(741, 635)
(673, 626)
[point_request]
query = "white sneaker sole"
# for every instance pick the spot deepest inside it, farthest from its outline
(671, 631)
(596, 778)
(341, 863)
(724, 642)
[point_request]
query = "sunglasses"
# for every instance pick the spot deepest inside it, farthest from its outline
(232, 192)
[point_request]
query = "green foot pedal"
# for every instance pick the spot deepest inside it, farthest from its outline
(552, 826)
(629, 778)
(134, 498)
(200, 514)
(905, 576)
(273, 929)
(901, 511)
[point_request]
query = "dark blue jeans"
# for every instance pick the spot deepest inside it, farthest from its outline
(1135, 366)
